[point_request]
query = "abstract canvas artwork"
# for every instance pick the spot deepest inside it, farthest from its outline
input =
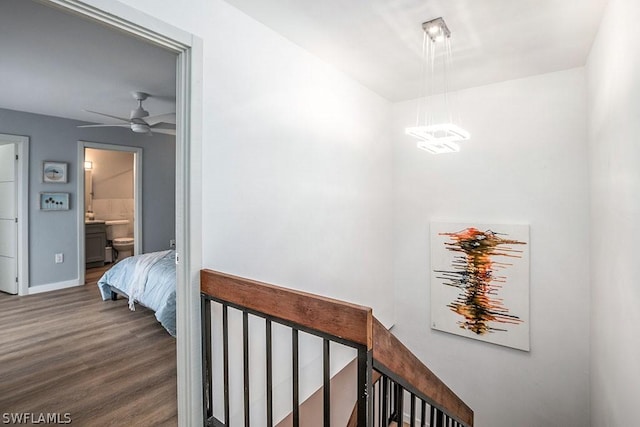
(480, 282)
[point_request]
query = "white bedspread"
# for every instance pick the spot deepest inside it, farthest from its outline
(159, 286)
(140, 274)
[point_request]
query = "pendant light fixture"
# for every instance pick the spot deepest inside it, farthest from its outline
(437, 131)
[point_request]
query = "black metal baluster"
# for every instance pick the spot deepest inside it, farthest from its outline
(269, 374)
(365, 408)
(423, 415)
(370, 388)
(296, 397)
(386, 400)
(225, 360)
(439, 418)
(392, 402)
(326, 371)
(399, 403)
(207, 379)
(245, 349)
(395, 401)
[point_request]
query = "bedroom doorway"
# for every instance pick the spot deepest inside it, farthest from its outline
(188, 145)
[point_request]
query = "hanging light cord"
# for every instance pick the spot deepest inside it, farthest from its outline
(423, 80)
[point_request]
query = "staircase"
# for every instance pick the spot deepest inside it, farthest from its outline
(392, 386)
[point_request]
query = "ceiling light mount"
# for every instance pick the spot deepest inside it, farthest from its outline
(139, 112)
(436, 29)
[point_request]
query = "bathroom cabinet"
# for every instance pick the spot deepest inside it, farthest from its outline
(95, 236)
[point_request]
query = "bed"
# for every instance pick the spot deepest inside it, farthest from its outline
(147, 279)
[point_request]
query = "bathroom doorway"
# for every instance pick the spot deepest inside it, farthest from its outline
(111, 192)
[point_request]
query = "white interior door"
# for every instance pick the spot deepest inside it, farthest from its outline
(8, 224)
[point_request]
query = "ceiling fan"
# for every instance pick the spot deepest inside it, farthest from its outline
(139, 120)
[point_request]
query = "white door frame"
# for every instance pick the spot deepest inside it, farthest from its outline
(188, 182)
(137, 197)
(22, 176)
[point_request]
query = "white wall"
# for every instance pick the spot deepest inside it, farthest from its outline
(525, 163)
(296, 162)
(112, 173)
(298, 175)
(299, 171)
(613, 74)
(112, 183)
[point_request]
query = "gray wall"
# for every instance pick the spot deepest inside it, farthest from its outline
(53, 138)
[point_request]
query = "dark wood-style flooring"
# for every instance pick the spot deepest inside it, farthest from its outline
(70, 352)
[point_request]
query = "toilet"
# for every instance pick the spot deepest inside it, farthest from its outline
(117, 232)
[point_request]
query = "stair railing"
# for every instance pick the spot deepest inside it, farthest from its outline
(387, 371)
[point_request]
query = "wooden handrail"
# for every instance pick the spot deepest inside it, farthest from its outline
(337, 318)
(346, 321)
(394, 359)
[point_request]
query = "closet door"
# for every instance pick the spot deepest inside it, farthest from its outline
(8, 220)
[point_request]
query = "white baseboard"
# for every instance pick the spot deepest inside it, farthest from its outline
(53, 286)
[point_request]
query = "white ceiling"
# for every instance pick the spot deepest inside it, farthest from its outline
(379, 42)
(59, 64)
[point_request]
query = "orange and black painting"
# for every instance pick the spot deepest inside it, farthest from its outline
(476, 266)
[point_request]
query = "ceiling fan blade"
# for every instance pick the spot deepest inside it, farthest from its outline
(105, 126)
(165, 131)
(108, 115)
(161, 118)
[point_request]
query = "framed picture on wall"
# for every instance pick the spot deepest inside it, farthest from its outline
(54, 201)
(54, 172)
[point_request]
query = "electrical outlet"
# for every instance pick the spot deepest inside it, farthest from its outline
(59, 258)
(172, 243)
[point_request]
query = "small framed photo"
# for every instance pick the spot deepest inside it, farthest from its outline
(55, 172)
(54, 201)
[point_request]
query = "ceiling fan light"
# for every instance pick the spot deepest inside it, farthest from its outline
(140, 127)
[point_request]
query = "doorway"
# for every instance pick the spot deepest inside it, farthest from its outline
(189, 48)
(112, 192)
(13, 214)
